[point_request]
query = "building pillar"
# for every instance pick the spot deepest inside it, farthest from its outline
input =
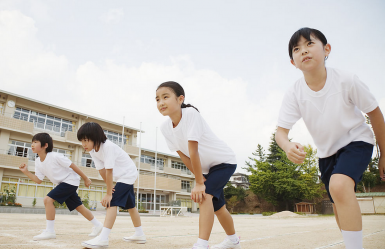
(4, 140)
(9, 111)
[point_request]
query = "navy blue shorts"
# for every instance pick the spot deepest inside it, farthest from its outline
(65, 192)
(351, 160)
(216, 180)
(123, 196)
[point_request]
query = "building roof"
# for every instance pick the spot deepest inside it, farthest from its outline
(161, 153)
(74, 112)
(371, 194)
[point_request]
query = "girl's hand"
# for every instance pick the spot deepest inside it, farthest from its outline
(381, 168)
(295, 153)
(23, 167)
(106, 201)
(87, 182)
(198, 193)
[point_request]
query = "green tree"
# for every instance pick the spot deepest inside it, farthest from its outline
(230, 191)
(278, 180)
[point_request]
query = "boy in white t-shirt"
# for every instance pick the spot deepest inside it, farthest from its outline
(330, 102)
(113, 164)
(62, 172)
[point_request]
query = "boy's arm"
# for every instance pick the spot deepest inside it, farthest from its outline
(186, 160)
(87, 181)
(294, 151)
(199, 191)
(106, 201)
(102, 173)
(378, 125)
(24, 168)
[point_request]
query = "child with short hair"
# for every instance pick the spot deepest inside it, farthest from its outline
(330, 101)
(65, 174)
(205, 155)
(113, 163)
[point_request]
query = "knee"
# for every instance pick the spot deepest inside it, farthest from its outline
(48, 200)
(339, 186)
(221, 211)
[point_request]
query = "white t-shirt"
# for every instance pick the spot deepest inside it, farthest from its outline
(111, 156)
(333, 114)
(56, 167)
(192, 127)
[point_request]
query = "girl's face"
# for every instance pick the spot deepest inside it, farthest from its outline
(167, 102)
(36, 147)
(87, 144)
(310, 55)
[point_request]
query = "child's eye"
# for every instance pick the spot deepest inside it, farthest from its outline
(295, 49)
(310, 43)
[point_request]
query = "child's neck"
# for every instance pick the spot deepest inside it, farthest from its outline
(316, 79)
(42, 155)
(176, 117)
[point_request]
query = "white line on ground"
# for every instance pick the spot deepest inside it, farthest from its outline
(269, 237)
(340, 242)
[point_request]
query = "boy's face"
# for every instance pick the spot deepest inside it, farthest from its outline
(87, 144)
(167, 102)
(36, 147)
(310, 55)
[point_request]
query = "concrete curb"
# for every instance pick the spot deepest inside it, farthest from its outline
(21, 210)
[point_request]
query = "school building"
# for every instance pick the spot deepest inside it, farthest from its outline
(21, 118)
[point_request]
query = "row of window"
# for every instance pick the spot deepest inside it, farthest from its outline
(115, 137)
(181, 166)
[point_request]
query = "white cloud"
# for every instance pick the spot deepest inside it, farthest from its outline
(112, 16)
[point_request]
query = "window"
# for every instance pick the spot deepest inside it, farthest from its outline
(95, 194)
(44, 122)
(186, 186)
(181, 166)
(147, 201)
(87, 161)
(21, 149)
(186, 203)
(66, 153)
(151, 160)
(27, 188)
(115, 137)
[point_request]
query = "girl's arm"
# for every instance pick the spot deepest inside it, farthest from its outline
(294, 151)
(186, 160)
(87, 181)
(24, 168)
(106, 201)
(102, 173)
(378, 125)
(198, 193)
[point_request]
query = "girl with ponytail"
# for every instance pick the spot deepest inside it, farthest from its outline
(205, 155)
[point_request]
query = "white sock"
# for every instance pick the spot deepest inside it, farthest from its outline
(352, 239)
(139, 231)
(104, 233)
(234, 238)
(203, 242)
(95, 222)
(51, 226)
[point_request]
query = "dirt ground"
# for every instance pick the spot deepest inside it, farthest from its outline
(17, 230)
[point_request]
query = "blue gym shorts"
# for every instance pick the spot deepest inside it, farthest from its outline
(65, 192)
(216, 180)
(351, 160)
(123, 196)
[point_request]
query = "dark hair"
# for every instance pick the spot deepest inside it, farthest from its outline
(178, 90)
(94, 132)
(305, 33)
(44, 138)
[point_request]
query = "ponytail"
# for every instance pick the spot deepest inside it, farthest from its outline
(178, 90)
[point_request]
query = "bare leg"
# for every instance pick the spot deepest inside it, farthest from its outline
(206, 217)
(336, 215)
(226, 220)
(85, 212)
(349, 213)
(110, 217)
(49, 208)
(135, 217)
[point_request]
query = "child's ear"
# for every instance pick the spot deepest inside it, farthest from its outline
(328, 49)
(293, 63)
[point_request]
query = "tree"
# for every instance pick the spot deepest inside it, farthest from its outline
(230, 191)
(232, 202)
(278, 180)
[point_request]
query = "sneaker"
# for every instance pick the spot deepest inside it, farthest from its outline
(96, 231)
(228, 244)
(45, 235)
(196, 246)
(136, 239)
(95, 243)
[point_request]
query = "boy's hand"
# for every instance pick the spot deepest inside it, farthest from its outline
(295, 153)
(106, 201)
(198, 193)
(23, 167)
(87, 182)
(381, 168)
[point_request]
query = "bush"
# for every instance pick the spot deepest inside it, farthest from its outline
(34, 202)
(268, 213)
(234, 213)
(18, 205)
(58, 205)
(86, 201)
(143, 211)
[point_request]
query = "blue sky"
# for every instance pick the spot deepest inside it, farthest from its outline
(105, 58)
